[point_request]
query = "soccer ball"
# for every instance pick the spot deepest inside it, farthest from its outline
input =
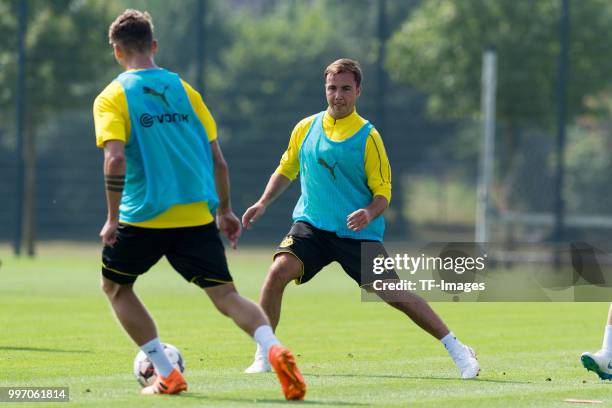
(144, 371)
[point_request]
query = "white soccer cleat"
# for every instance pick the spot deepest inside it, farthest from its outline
(467, 363)
(260, 364)
(599, 362)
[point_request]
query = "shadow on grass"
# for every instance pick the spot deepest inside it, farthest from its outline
(212, 398)
(43, 350)
(408, 377)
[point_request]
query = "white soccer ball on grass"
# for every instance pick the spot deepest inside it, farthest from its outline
(144, 371)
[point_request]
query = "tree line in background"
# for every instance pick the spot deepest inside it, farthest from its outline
(439, 51)
(260, 66)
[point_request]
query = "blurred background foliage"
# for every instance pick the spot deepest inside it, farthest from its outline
(259, 64)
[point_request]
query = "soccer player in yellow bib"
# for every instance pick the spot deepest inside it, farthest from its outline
(345, 181)
(165, 177)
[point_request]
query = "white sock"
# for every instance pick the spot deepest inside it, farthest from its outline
(452, 345)
(265, 338)
(607, 340)
(155, 352)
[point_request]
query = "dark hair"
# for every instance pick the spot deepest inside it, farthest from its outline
(345, 65)
(132, 30)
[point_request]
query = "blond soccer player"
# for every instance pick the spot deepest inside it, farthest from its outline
(166, 180)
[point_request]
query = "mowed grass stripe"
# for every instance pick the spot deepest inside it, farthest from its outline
(56, 329)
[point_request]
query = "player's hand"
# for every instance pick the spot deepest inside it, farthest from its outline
(108, 233)
(252, 214)
(358, 220)
(229, 225)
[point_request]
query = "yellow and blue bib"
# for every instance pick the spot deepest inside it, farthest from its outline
(334, 183)
(169, 159)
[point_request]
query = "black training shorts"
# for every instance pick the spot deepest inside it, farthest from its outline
(196, 253)
(317, 248)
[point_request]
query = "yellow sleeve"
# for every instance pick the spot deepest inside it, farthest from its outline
(290, 161)
(111, 117)
(377, 167)
(201, 111)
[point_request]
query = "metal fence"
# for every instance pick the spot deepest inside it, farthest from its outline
(434, 161)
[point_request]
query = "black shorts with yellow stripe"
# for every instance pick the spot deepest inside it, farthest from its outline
(196, 253)
(317, 248)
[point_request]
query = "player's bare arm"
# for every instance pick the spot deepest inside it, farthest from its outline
(227, 221)
(114, 181)
(275, 187)
(358, 220)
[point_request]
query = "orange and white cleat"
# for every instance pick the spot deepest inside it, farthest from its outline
(283, 362)
(172, 384)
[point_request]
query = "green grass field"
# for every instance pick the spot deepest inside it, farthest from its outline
(56, 329)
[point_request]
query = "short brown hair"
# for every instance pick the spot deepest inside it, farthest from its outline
(345, 65)
(132, 30)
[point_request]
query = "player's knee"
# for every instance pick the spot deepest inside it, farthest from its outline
(112, 289)
(224, 297)
(223, 304)
(285, 268)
